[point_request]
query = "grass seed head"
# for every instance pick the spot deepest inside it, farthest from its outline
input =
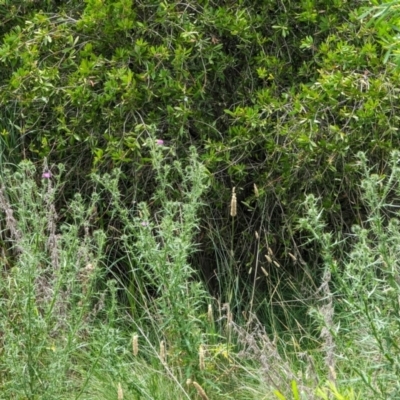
(229, 319)
(202, 364)
(256, 192)
(233, 203)
(120, 392)
(210, 313)
(135, 344)
(200, 391)
(162, 352)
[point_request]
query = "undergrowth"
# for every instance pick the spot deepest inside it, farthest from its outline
(65, 333)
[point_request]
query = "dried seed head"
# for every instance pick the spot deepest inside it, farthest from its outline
(135, 344)
(229, 319)
(202, 364)
(189, 381)
(332, 373)
(270, 252)
(200, 391)
(292, 256)
(11, 222)
(210, 314)
(256, 234)
(256, 192)
(162, 351)
(120, 392)
(264, 271)
(276, 264)
(233, 203)
(269, 259)
(85, 276)
(89, 268)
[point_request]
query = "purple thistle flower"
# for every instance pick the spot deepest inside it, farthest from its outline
(160, 142)
(46, 175)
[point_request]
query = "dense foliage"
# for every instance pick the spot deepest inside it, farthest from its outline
(273, 94)
(281, 96)
(276, 97)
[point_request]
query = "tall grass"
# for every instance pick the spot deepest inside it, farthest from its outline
(66, 334)
(162, 286)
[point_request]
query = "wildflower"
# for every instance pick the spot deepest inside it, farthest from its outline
(46, 175)
(159, 142)
(144, 223)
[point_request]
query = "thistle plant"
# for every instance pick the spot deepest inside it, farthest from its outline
(47, 285)
(366, 280)
(158, 243)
